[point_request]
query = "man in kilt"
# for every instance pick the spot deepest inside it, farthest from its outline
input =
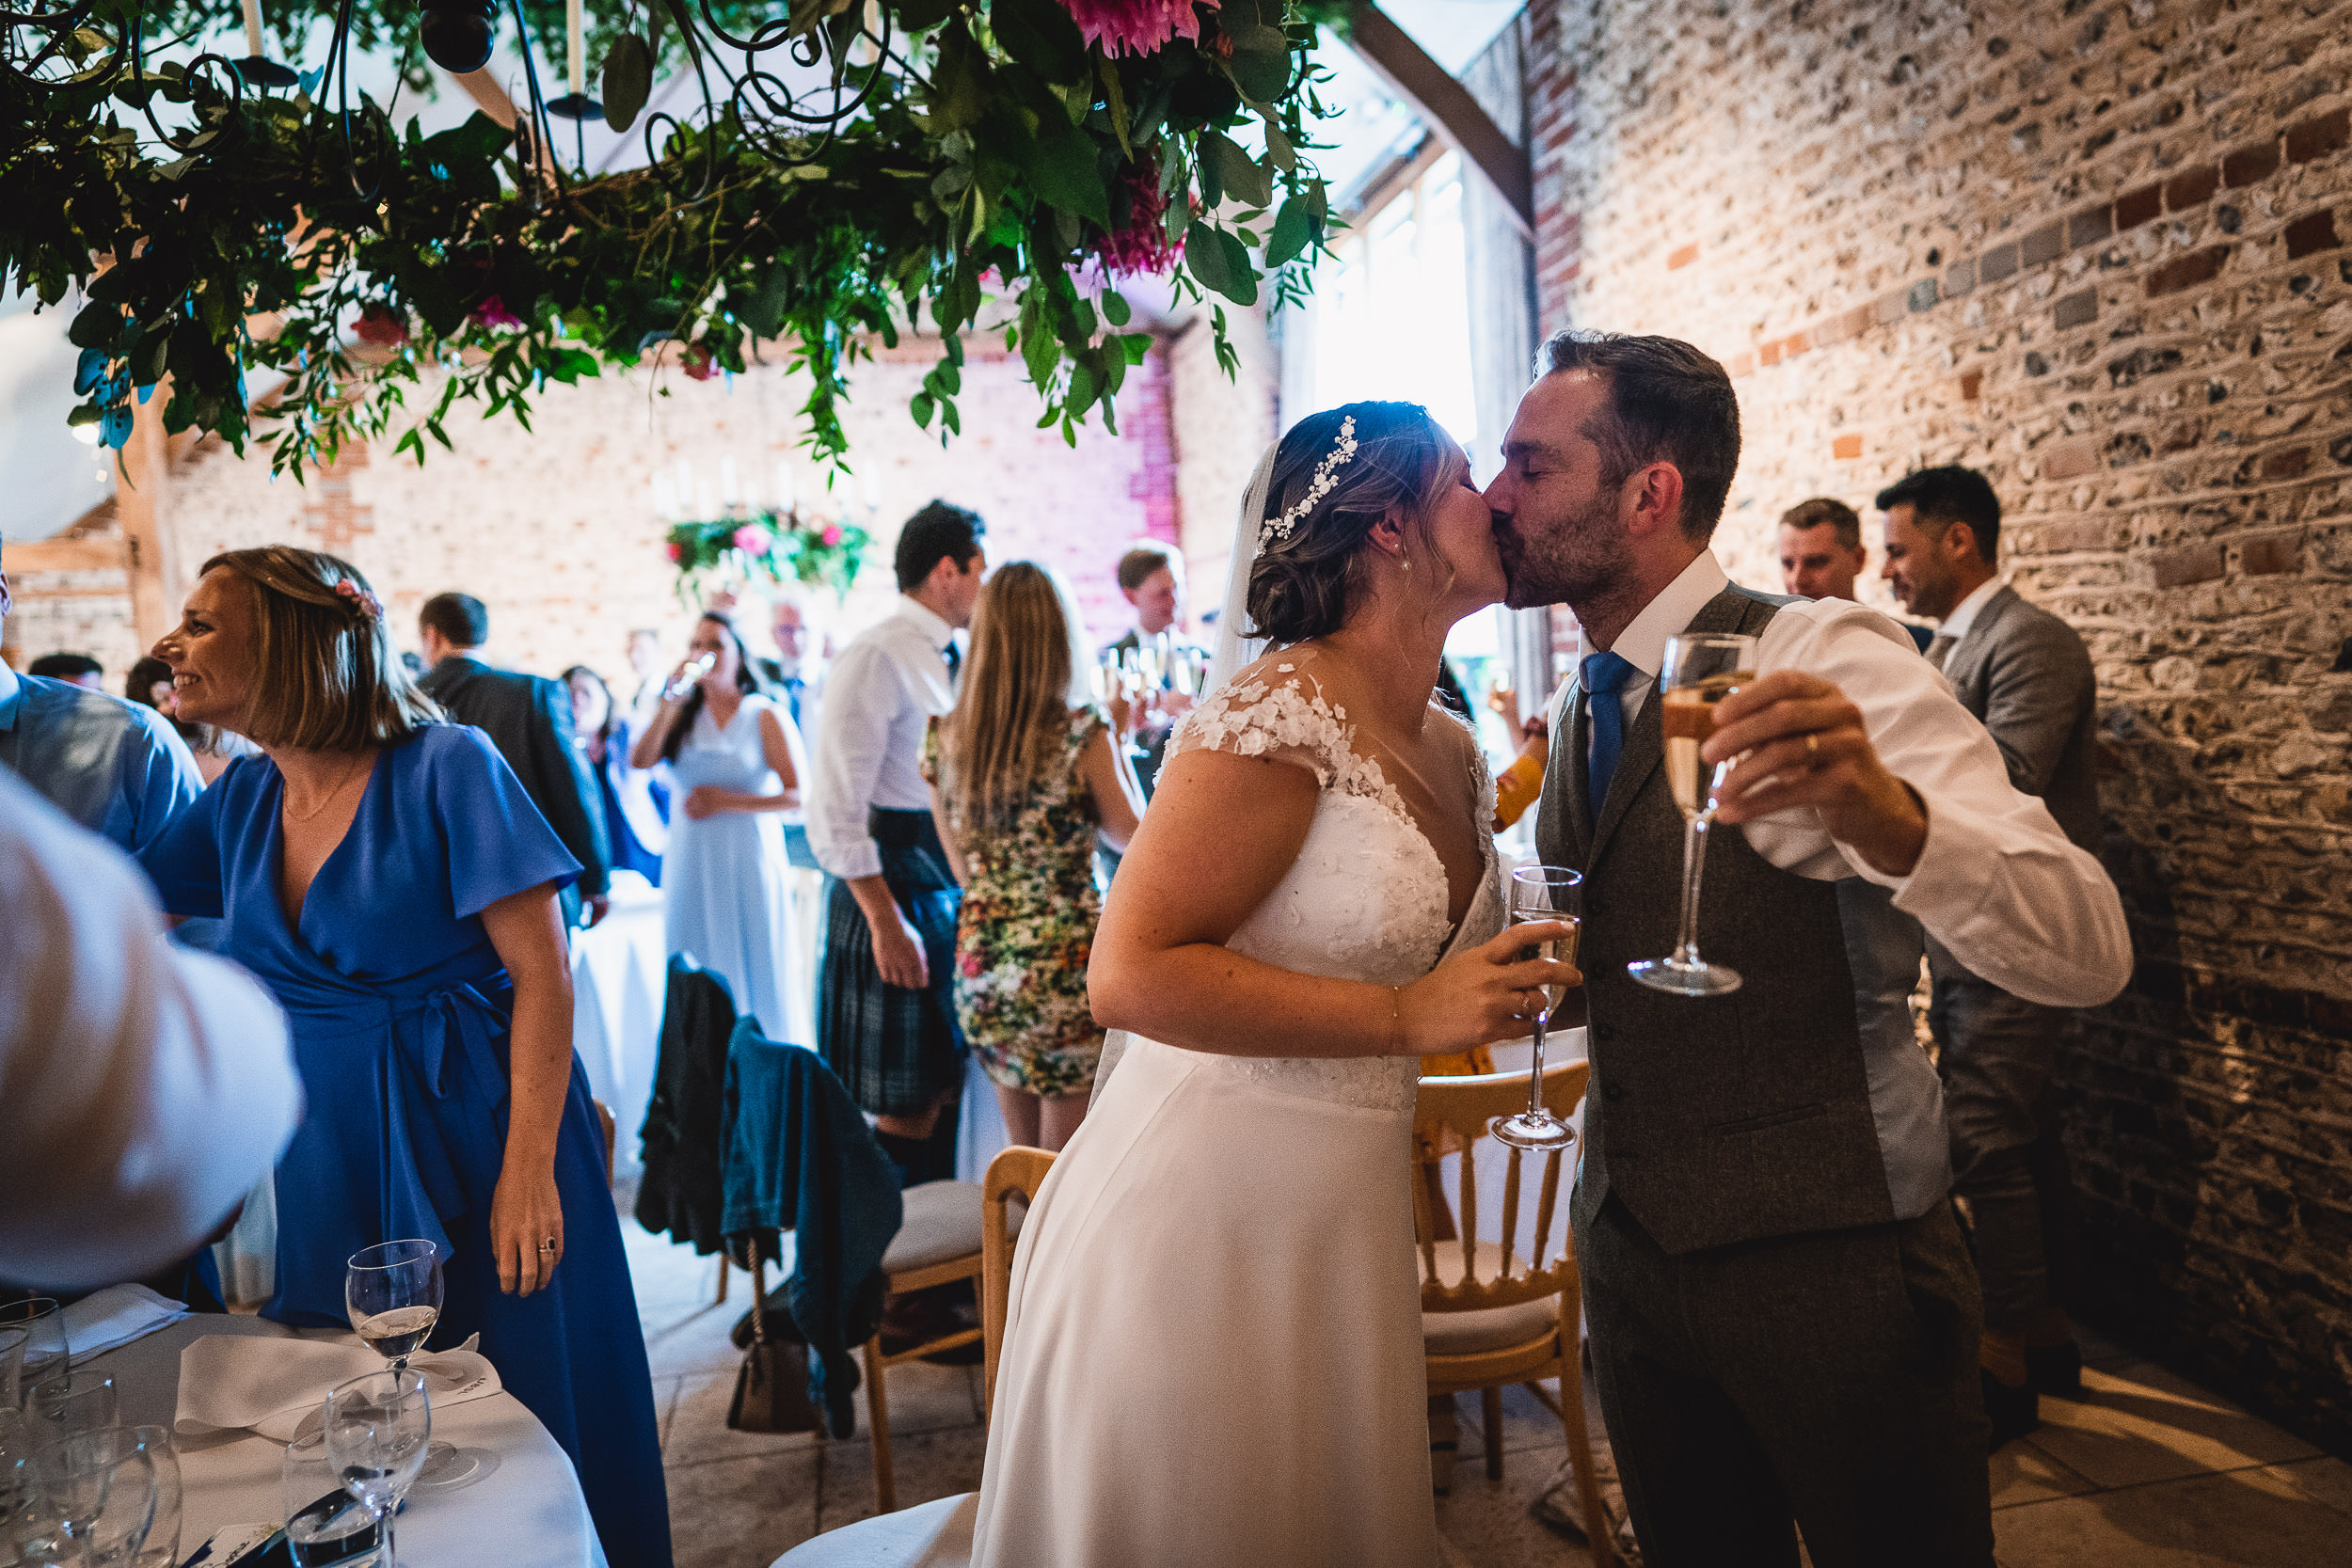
(886, 1004)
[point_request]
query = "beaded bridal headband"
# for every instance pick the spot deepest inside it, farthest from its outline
(1342, 452)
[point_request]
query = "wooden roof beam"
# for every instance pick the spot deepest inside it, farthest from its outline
(1446, 107)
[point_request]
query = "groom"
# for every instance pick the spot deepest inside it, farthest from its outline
(1784, 1316)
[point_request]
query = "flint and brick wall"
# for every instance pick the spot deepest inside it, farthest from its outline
(2097, 250)
(554, 529)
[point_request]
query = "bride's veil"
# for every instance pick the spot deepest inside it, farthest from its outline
(1236, 649)
(1235, 652)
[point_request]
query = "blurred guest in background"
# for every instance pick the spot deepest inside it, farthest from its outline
(735, 763)
(149, 685)
(425, 978)
(635, 822)
(793, 675)
(146, 1087)
(1025, 774)
(2027, 674)
(117, 768)
(529, 719)
(886, 1004)
(1151, 578)
(73, 668)
(1822, 554)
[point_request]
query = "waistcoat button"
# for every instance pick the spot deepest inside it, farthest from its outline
(1613, 1092)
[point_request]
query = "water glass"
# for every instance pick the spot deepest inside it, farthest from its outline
(162, 1537)
(74, 1403)
(39, 1355)
(101, 1487)
(377, 1429)
(325, 1525)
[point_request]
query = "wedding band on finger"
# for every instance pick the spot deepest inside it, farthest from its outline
(1813, 748)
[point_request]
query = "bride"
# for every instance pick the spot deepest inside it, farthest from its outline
(1215, 1348)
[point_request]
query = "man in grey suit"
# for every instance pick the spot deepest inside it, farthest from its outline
(529, 719)
(1784, 1316)
(2027, 674)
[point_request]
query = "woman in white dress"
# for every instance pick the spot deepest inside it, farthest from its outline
(1214, 1349)
(736, 764)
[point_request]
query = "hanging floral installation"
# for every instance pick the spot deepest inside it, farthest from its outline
(850, 171)
(822, 551)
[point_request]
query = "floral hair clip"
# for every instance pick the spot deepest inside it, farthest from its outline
(1342, 452)
(369, 607)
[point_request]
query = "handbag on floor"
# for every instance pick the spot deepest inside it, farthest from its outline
(771, 1386)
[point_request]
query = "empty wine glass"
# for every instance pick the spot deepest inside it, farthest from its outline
(1700, 670)
(377, 1429)
(324, 1524)
(1543, 892)
(39, 1355)
(100, 1486)
(162, 1537)
(74, 1403)
(392, 1292)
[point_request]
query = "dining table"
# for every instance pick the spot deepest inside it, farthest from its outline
(514, 1499)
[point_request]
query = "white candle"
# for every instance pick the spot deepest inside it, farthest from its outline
(730, 488)
(579, 45)
(785, 492)
(662, 496)
(253, 29)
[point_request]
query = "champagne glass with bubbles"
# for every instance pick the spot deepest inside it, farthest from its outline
(1543, 892)
(1700, 671)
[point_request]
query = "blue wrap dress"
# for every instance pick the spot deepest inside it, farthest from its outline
(400, 1011)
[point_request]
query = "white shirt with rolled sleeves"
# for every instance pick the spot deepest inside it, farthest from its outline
(881, 693)
(1996, 882)
(143, 1087)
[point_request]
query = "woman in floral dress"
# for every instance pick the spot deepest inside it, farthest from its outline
(1025, 776)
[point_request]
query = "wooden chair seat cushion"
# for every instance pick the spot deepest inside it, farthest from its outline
(1490, 1328)
(942, 1224)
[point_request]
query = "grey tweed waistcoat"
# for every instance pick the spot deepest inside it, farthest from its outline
(1715, 1119)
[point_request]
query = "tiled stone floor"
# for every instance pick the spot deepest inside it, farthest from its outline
(2148, 1471)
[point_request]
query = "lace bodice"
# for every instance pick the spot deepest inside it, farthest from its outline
(1367, 897)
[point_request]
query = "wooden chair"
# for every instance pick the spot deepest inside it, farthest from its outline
(611, 1133)
(939, 1242)
(939, 1534)
(1492, 1313)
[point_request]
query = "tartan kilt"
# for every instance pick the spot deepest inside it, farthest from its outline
(897, 1050)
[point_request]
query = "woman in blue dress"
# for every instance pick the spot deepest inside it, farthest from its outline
(384, 874)
(636, 803)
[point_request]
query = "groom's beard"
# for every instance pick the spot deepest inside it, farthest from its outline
(1572, 558)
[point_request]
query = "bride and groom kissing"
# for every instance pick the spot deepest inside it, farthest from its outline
(1214, 1346)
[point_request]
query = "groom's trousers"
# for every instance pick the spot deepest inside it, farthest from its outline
(1827, 1379)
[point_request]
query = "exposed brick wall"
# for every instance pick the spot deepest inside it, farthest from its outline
(2096, 250)
(554, 529)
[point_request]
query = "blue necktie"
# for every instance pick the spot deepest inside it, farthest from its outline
(1603, 676)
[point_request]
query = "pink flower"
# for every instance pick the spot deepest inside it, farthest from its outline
(752, 539)
(699, 362)
(380, 324)
(677, 552)
(493, 313)
(832, 534)
(1140, 245)
(362, 602)
(1135, 26)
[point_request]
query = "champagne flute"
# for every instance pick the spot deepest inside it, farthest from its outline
(377, 1427)
(1701, 670)
(392, 1292)
(1543, 892)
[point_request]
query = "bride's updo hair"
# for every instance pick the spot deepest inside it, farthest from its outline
(1309, 582)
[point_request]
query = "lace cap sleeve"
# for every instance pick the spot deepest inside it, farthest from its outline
(1273, 712)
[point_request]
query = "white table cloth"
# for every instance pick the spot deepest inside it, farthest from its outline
(526, 1512)
(619, 970)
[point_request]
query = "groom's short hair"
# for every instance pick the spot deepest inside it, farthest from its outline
(1667, 402)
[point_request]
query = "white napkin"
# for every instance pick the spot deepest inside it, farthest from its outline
(237, 1382)
(115, 1316)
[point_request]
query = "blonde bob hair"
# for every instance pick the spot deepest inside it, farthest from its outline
(325, 675)
(1019, 688)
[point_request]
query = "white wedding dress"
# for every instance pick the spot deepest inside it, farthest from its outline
(1214, 1356)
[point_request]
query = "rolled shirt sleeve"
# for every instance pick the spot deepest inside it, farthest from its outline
(1998, 882)
(144, 1088)
(862, 695)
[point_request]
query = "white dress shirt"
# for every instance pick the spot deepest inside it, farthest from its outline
(1964, 613)
(1996, 882)
(143, 1087)
(881, 693)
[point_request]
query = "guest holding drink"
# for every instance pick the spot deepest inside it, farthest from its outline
(1024, 777)
(386, 877)
(632, 817)
(735, 765)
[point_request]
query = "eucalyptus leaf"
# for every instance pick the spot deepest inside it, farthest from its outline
(1236, 171)
(627, 80)
(1293, 228)
(1114, 308)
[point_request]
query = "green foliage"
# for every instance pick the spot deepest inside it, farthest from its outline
(216, 233)
(820, 551)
